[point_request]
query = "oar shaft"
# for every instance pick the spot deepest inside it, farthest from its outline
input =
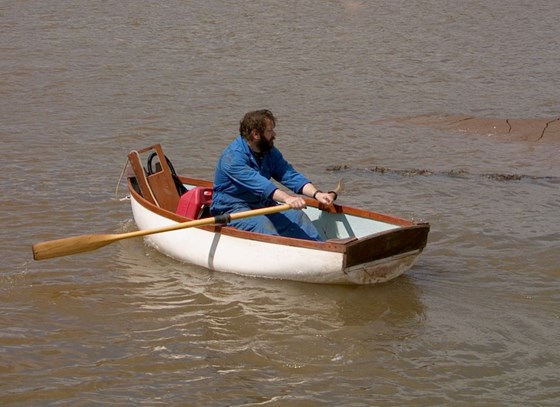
(224, 219)
(85, 243)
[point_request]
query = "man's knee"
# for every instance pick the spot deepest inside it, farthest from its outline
(257, 224)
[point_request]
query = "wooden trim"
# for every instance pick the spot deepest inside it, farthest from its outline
(197, 182)
(158, 188)
(162, 184)
(140, 173)
(387, 244)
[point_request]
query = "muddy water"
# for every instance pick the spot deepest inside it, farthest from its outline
(475, 322)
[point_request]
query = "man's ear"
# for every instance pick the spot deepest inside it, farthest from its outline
(255, 135)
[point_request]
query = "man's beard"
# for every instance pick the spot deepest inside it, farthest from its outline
(264, 145)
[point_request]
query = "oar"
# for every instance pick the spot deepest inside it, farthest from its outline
(339, 187)
(86, 243)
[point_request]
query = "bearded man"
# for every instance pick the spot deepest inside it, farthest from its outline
(243, 181)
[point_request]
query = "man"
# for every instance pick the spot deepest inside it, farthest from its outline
(242, 182)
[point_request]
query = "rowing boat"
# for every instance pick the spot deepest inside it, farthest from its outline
(362, 247)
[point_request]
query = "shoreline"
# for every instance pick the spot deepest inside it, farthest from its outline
(531, 130)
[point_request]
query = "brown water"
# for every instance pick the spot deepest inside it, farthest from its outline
(475, 322)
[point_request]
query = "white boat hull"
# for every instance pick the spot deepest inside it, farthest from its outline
(362, 247)
(221, 252)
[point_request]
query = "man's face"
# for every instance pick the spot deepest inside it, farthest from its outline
(266, 142)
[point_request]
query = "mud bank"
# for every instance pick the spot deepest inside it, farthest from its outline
(455, 173)
(533, 130)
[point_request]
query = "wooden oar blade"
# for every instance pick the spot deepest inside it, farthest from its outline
(71, 245)
(339, 187)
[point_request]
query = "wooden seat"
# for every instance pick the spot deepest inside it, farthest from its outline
(158, 188)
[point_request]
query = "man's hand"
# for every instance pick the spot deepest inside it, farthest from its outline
(326, 198)
(296, 202)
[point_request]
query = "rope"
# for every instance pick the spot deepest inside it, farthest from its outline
(119, 181)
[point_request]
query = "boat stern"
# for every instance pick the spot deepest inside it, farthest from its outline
(382, 270)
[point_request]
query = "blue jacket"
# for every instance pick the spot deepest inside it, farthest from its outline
(240, 182)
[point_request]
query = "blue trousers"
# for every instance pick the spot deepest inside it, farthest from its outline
(291, 223)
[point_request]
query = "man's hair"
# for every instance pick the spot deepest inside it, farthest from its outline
(255, 121)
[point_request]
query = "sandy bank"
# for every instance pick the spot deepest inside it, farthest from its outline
(533, 130)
